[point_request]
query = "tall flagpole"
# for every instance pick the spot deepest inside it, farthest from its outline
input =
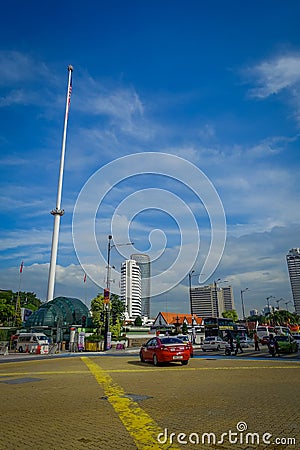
(18, 316)
(58, 212)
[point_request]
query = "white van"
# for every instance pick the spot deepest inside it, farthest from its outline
(33, 343)
(264, 330)
(282, 330)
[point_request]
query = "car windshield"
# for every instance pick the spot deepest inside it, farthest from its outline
(42, 338)
(170, 340)
(183, 338)
(282, 338)
(210, 339)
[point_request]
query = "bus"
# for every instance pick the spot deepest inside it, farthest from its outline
(219, 326)
(222, 327)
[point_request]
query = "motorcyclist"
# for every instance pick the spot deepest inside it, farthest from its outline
(273, 346)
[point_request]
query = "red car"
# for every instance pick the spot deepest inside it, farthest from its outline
(186, 340)
(265, 340)
(165, 349)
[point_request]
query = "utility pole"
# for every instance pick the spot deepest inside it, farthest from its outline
(242, 299)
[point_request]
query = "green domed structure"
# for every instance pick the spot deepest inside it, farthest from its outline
(62, 311)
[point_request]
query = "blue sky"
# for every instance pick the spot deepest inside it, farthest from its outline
(215, 83)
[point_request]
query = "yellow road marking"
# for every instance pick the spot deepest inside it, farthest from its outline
(147, 369)
(142, 428)
(191, 369)
(52, 372)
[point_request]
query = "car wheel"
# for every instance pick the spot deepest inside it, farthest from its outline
(141, 357)
(185, 363)
(20, 349)
(155, 360)
(204, 350)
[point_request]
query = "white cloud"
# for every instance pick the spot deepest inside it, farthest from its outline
(120, 104)
(275, 75)
(18, 67)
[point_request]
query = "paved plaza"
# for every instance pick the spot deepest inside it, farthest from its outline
(116, 402)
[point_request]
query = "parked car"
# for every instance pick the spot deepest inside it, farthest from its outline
(297, 339)
(246, 342)
(165, 349)
(185, 338)
(286, 344)
(213, 343)
(265, 340)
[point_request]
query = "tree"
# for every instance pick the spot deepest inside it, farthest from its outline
(97, 311)
(184, 328)
(117, 309)
(29, 300)
(138, 321)
(231, 314)
(259, 318)
(282, 316)
(11, 304)
(7, 308)
(18, 314)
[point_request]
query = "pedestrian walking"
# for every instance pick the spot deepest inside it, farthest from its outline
(230, 341)
(238, 345)
(256, 342)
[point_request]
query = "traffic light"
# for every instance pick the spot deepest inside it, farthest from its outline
(83, 321)
(102, 316)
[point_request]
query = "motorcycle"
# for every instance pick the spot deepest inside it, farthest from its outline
(229, 350)
(272, 349)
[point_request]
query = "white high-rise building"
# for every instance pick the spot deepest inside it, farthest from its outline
(293, 262)
(143, 261)
(131, 288)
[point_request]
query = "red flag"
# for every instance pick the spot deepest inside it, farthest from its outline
(84, 278)
(21, 267)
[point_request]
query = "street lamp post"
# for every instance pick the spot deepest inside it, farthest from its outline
(190, 290)
(107, 297)
(242, 299)
(216, 294)
(268, 302)
(278, 301)
(107, 292)
(286, 303)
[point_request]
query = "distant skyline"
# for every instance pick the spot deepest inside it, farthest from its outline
(216, 84)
